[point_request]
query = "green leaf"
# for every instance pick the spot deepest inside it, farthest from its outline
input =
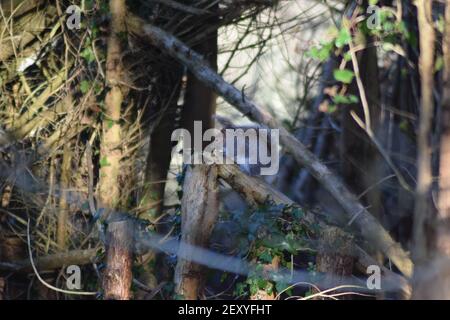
(109, 123)
(439, 64)
(104, 162)
(85, 86)
(441, 24)
(98, 88)
(331, 108)
(313, 52)
(322, 53)
(388, 26)
(341, 99)
(240, 289)
(347, 56)
(88, 55)
(265, 257)
(343, 38)
(345, 76)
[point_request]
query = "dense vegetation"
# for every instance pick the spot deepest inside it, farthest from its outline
(97, 202)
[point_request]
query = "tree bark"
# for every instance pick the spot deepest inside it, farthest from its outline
(422, 209)
(360, 160)
(117, 276)
(424, 174)
(199, 211)
(119, 260)
(51, 262)
(63, 216)
(443, 223)
(434, 278)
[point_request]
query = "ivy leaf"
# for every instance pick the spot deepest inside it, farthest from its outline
(240, 289)
(345, 76)
(265, 257)
(322, 53)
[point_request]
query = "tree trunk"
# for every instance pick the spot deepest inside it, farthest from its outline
(335, 257)
(117, 277)
(424, 175)
(119, 260)
(199, 213)
(435, 277)
(359, 157)
(200, 204)
(422, 208)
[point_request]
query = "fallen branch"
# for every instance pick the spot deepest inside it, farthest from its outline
(369, 227)
(52, 262)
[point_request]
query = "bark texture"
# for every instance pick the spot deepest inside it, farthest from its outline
(199, 213)
(200, 204)
(119, 260)
(433, 279)
(117, 276)
(336, 255)
(424, 174)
